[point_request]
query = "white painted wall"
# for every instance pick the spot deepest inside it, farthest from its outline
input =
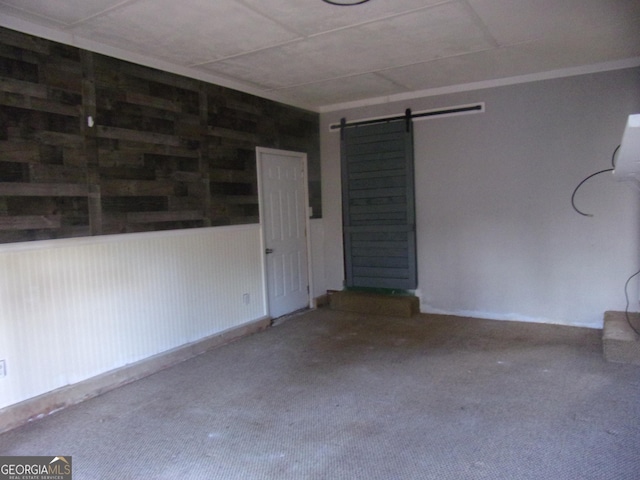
(318, 274)
(72, 309)
(497, 237)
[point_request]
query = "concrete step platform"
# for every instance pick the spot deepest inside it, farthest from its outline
(620, 343)
(374, 303)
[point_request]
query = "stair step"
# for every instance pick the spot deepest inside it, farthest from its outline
(377, 304)
(620, 343)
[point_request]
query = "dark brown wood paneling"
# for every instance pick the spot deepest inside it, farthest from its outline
(93, 145)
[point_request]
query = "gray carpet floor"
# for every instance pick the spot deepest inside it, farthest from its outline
(332, 395)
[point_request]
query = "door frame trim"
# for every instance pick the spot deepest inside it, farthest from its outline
(302, 157)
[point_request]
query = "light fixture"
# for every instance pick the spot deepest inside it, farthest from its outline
(345, 3)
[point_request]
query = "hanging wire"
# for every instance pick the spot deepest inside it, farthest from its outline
(613, 157)
(573, 195)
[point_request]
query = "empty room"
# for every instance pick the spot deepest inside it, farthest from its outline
(310, 239)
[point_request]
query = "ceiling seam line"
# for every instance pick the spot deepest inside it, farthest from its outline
(387, 69)
(250, 52)
(382, 70)
(27, 12)
(486, 32)
(101, 13)
(326, 32)
(380, 19)
(274, 20)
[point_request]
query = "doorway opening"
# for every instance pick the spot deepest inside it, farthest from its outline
(284, 208)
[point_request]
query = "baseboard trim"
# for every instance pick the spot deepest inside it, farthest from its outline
(38, 407)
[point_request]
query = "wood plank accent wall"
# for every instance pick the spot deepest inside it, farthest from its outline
(162, 151)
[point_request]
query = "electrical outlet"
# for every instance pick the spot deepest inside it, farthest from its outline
(246, 298)
(3, 368)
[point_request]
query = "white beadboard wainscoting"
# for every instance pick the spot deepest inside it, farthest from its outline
(74, 309)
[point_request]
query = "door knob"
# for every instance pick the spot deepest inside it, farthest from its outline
(268, 250)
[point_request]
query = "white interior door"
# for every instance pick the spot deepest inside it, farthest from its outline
(283, 210)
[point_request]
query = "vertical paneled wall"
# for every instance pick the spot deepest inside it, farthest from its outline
(92, 145)
(75, 308)
(43, 184)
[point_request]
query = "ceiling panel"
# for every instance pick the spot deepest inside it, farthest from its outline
(347, 89)
(565, 50)
(462, 69)
(309, 17)
(63, 11)
(311, 54)
(440, 31)
(184, 34)
(515, 21)
(287, 65)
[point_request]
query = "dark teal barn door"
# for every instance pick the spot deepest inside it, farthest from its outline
(378, 205)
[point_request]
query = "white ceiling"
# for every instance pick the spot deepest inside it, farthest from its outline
(312, 54)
